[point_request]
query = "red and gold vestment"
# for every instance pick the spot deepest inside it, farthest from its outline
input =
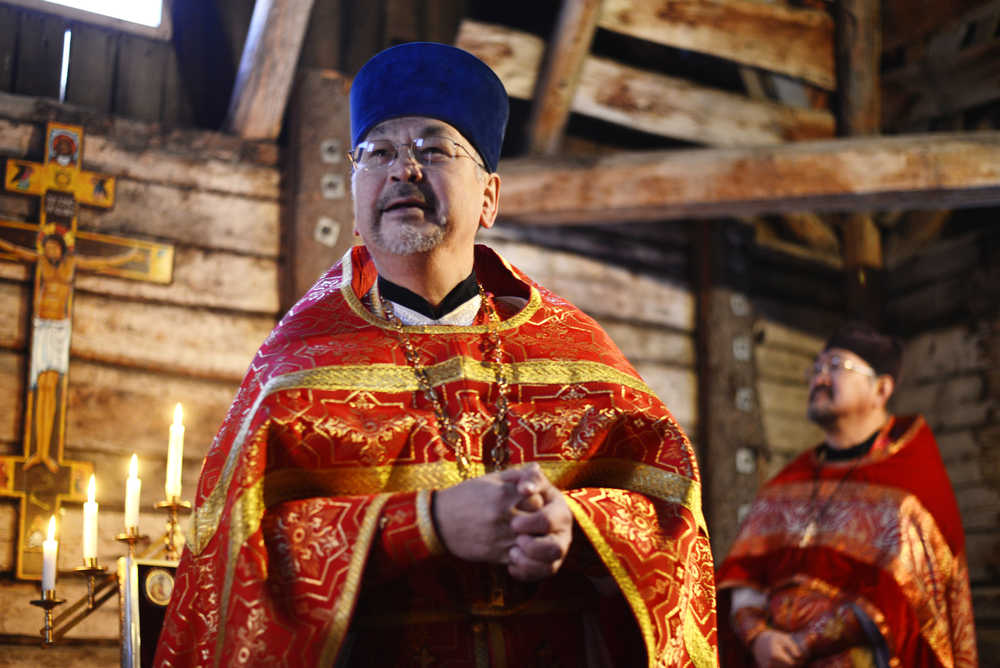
(312, 540)
(881, 533)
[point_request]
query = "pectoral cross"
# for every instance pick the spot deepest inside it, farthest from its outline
(42, 479)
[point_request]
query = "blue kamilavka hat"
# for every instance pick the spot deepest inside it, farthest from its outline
(437, 81)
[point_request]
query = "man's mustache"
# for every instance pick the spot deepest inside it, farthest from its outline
(406, 191)
(820, 388)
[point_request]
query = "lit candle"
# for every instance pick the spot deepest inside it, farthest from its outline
(49, 549)
(90, 524)
(132, 487)
(175, 454)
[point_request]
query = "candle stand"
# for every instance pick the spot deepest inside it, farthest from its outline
(48, 602)
(131, 536)
(91, 570)
(172, 506)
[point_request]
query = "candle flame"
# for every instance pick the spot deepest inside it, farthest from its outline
(90, 489)
(52, 528)
(133, 467)
(178, 415)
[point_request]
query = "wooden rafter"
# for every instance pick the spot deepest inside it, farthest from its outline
(644, 100)
(773, 36)
(556, 84)
(267, 68)
(858, 174)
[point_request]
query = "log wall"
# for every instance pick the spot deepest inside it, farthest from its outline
(137, 348)
(946, 300)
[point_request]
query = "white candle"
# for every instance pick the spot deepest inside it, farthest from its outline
(175, 455)
(49, 549)
(132, 487)
(90, 524)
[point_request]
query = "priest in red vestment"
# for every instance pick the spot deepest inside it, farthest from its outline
(432, 460)
(854, 554)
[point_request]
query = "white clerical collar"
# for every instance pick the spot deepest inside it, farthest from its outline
(461, 316)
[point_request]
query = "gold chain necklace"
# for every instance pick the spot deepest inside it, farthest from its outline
(451, 435)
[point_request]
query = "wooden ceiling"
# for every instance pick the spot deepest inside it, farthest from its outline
(671, 109)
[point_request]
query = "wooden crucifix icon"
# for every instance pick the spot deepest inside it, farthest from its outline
(42, 479)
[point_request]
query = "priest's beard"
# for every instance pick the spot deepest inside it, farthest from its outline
(406, 239)
(822, 414)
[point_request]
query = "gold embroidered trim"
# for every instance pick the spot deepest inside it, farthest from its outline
(287, 484)
(697, 645)
(516, 320)
(425, 523)
(400, 378)
(343, 609)
(244, 520)
(617, 570)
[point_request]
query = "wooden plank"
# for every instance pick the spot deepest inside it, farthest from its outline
(39, 54)
(677, 388)
(920, 230)
(650, 343)
(557, 81)
(92, 55)
(789, 435)
(943, 353)
(194, 160)
(103, 624)
(783, 398)
(773, 333)
(937, 170)
(209, 220)
(201, 278)
(139, 80)
(604, 291)
(176, 339)
(124, 409)
(793, 41)
(943, 260)
(8, 46)
(267, 67)
(645, 100)
(780, 364)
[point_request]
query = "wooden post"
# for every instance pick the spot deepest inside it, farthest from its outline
(560, 73)
(859, 112)
(318, 221)
(731, 431)
(267, 67)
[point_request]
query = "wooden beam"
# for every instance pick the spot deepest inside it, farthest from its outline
(556, 84)
(793, 41)
(904, 171)
(267, 67)
(647, 101)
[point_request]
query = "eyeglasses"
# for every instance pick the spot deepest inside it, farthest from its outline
(426, 151)
(835, 364)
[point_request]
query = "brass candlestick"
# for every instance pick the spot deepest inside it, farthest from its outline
(131, 536)
(92, 570)
(172, 506)
(47, 602)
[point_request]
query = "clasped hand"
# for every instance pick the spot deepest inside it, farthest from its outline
(516, 518)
